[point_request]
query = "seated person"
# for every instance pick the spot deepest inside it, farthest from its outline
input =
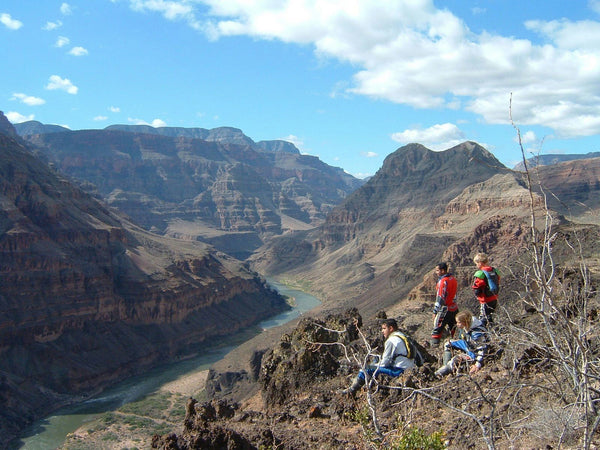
(393, 361)
(472, 343)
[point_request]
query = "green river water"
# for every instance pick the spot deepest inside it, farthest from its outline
(51, 432)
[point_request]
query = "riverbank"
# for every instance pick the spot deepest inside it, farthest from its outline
(133, 425)
(155, 402)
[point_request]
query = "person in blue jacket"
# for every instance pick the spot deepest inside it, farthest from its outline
(471, 343)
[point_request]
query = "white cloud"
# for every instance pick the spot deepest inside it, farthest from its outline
(361, 175)
(114, 109)
(528, 137)
(437, 137)
(411, 53)
(50, 26)
(370, 154)
(28, 99)
(63, 84)
(9, 22)
(171, 10)
(15, 117)
(156, 123)
(78, 51)
(100, 118)
(595, 5)
(298, 142)
(65, 9)
(62, 41)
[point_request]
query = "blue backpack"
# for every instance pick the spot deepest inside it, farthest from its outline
(492, 281)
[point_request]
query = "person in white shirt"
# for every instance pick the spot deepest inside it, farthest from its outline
(394, 360)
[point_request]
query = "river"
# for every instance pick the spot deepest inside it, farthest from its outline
(51, 432)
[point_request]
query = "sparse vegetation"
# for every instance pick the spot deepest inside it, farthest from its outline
(415, 438)
(137, 422)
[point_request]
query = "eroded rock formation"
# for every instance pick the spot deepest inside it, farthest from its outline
(87, 298)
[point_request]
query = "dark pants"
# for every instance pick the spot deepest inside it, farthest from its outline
(486, 312)
(443, 319)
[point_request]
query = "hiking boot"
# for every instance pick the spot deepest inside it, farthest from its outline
(442, 371)
(357, 383)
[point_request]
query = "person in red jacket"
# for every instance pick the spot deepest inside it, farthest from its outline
(488, 297)
(445, 308)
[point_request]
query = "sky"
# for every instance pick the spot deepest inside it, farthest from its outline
(347, 81)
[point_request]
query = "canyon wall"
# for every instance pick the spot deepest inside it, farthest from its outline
(88, 298)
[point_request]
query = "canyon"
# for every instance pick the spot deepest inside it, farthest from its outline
(88, 298)
(212, 208)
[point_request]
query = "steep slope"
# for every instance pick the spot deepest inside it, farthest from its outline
(173, 181)
(572, 188)
(394, 228)
(35, 127)
(551, 159)
(87, 298)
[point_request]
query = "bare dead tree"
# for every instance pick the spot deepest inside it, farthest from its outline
(561, 301)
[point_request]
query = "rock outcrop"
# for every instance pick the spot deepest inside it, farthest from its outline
(390, 231)
(87, 298)
(209, 185)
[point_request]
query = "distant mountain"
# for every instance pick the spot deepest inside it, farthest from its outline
(35, 127)
(87, 298)
(549, 159)
(214, 185)
(222, 134)
(6, 127)
(420, 208)
(572, 187)
(278, 146)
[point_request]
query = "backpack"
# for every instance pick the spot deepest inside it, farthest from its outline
(412, 348)
(492, 281)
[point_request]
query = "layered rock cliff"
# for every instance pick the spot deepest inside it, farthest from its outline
(398, 223)
(87, 298)
(386, 236)
(197, 183)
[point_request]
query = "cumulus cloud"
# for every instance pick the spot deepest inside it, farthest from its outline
(62, 41)
(9, 22)
(437, 137)
(528, 137)
(65, 9)
(370, 154)
(412, 53)
(114, 109)
(50, 26)
(62, 84)
(78, 51)
(15, 117)
(170, 10)
(298, 142)
(28, 99)
(156, 123)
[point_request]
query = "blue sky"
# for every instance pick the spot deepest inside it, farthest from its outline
(348, 81)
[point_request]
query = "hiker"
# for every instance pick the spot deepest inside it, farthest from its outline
(394, 360)
(445, 308)
(472, 342)
(485, 286)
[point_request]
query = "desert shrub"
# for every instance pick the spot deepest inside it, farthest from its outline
(415, 438)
